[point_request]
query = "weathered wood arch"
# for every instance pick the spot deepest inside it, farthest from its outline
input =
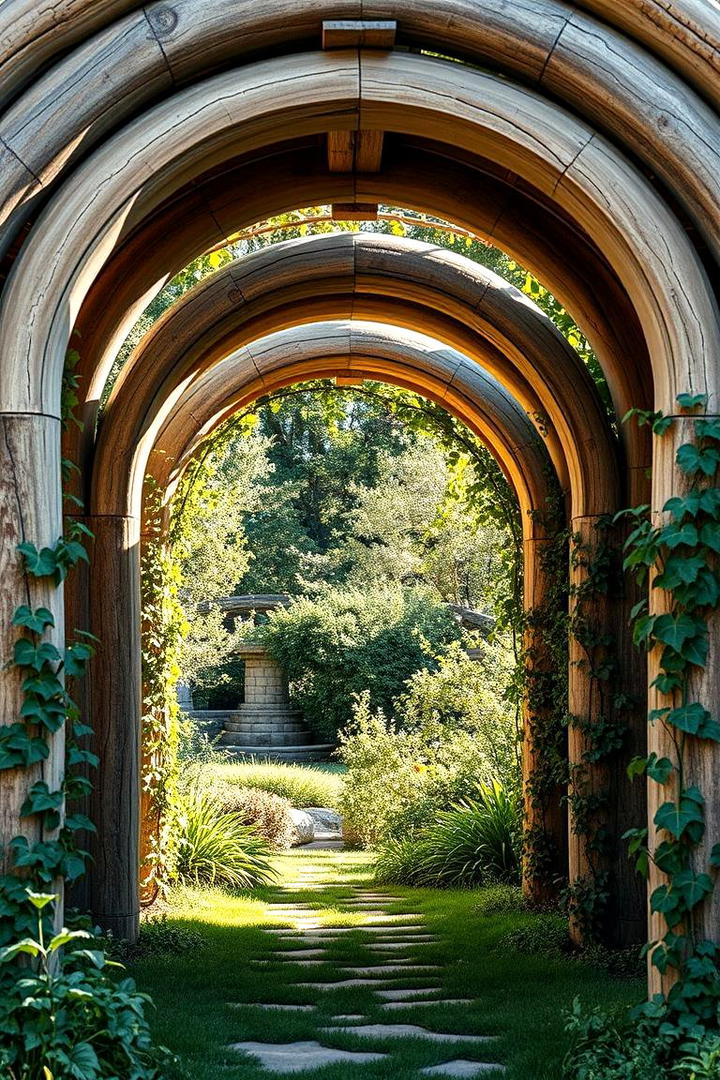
(589, 66)
(303, 352)
(638, 86)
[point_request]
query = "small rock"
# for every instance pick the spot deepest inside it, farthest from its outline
(304, 827)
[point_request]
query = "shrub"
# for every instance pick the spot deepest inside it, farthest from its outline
(268, 813)
(216, 848)
(62, 1015)
(630, 1046)
(301, 785)
(475, 842)
(350, 641)
(545, 935)
(158, 937)
(500, 900)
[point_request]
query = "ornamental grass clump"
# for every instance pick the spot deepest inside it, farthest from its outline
(476, 842)
(217, 848)
(301, 785)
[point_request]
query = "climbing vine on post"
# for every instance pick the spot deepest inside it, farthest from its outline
(679, 556)
(599, 730)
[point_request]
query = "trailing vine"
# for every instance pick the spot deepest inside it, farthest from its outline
(679, 556)
(46, 708)
(602, 727)
(543, 672)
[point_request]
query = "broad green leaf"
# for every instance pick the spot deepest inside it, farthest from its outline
(40, 900)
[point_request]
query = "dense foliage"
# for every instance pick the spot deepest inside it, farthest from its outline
(300, 785)
(63, 1018)
(477, 841)
(355, 641)
(216, 847)
(431, 751)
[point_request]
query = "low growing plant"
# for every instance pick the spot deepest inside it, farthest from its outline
(301, 785)
(475, 842)
(62, 1017)
(268, 813)
(217, 848)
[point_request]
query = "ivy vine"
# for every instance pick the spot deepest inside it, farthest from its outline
(679, 556)
(46, 707)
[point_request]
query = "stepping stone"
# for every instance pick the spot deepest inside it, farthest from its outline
(418, 1003)
(348, 1016)
(342, 985)
(404, 1031)
(408, 994)
(301, 1056)
(300, 955)
(377, 920)
(461, 1068)
(269, 1005)
(389, 946)
(383, 969)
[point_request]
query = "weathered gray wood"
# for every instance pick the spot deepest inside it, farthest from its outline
(358, 33)
(29, 512)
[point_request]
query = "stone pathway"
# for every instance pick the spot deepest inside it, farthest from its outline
(385, 935)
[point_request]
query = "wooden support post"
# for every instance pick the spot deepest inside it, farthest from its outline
(115, 675)
(545, 819)
(702, 757)
(30, 511)
(606, 698)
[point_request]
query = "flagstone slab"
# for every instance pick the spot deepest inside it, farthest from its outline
(408, 1031)
(395, 946)
(302, 1056)
(343, 984)
(407, 972)
(462, 1068)
(409, 993)
(297, 954)
(417, 1003)
(271, 1005)
(347, 1017)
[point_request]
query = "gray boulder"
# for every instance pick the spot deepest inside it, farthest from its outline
(327, 822)
(304, 827)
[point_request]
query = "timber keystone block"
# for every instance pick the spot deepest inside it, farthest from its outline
(359, 33)
(354, 211)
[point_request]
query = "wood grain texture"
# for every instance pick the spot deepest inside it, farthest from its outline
(29, 512)
(115, 680)
(419, 95)
(559, 256)
(278, 285)
(596, 70)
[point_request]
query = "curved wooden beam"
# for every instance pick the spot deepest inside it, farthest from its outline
(600, 73)
(417, 95)
(560, 256)
(459, 301)
(361, 350)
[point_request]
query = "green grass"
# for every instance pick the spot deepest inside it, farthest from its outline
(520, 997)
(301, 785)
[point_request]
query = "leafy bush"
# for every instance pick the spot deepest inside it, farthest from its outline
(63, 1017)
(450, 732)
(158, 937)
(545, 935)
(477, 841)
(301, 785)
(216, 848)
(638, 1044)
(351, 641)
(268, 813)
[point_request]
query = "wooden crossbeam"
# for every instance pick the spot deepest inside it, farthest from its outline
(354, 212)
(358, 33)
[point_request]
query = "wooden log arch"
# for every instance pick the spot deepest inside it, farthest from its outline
(591, 67)
(400, 281)
(637, 230)
(311, 351)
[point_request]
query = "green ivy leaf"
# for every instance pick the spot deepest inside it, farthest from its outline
(40, 799)
(692, 887)
(676, 630)
(674, 535)
(715, 855)
(38, 621)
(680, 570)
(38, 563)
(691, 401)
(685, 817)
(693, 459)
(689, 717)
(660, 769)
(710, 535)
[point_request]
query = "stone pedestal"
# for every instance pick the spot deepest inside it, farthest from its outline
(265, 724)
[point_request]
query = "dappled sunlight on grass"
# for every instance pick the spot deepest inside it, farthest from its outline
(207, 996)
